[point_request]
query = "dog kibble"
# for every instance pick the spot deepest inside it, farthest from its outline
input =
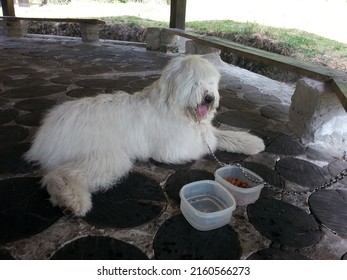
(238, 183)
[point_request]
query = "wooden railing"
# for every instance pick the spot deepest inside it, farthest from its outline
(338, 79)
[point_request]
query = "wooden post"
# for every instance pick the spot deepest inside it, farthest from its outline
(178, 14)
(7, 8)
(13, 27)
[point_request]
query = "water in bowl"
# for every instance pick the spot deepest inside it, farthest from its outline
(206, 203)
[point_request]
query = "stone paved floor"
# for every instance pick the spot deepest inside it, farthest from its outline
(140, 218)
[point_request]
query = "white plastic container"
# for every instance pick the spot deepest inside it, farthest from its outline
(243, 196)
(206, 204)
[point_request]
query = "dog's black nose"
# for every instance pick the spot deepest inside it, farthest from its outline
(208, 99)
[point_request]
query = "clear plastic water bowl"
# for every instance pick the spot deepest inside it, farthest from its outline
(206, 204)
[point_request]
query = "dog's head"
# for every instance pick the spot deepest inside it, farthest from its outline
(190, 84)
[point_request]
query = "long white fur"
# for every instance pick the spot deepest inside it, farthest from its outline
(89, 144)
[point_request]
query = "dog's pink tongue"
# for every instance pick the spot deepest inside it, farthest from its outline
(202, 110)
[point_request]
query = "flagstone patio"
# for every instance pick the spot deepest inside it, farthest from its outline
(141, 218)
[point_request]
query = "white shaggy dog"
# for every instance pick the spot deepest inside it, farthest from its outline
(89, 144)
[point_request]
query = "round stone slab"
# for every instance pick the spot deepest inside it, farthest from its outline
(7, 115)
(3, 101)
(182, 177)
(176, 239)
(285, 145)
(25, 82)
(64, 79)
(276, 254)
(3, 77)
(19, 71)
(33, 91)
(277, 112)
(244, 120)
(259, 99)
(30, 119)
(24, 208)
(302, 172)
(135, 201)
(98, 83)
(99, 248)
(84, 92)
(92, 70)
(284, 223)
(10, 134)
(236, 103)
(330, 209)
(11, 159)
(35, 104)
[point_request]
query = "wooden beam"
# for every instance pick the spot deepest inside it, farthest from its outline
(178, 14)
(313, 71)
(7, 8)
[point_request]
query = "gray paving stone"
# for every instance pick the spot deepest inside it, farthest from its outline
(84, 92)
(277, 112)
(7, 115)
(261, 99)
(284, 223)
(92, 70)
(286, 145)
(236, 103)
(33, 91)
(302, 172)
(243, 119)
(24, 82)
(35, 104)
(329, 207)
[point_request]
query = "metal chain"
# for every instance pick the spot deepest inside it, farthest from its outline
(215, 158)
(325, 185)
(333, 180)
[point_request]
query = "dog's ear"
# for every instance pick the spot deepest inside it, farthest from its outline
(176, 82)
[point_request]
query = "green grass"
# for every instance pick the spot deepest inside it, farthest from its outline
(309, 44)
(298, 43)
(131, 20)
(224, 26)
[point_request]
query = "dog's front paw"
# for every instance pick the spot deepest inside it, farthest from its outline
(255, 145)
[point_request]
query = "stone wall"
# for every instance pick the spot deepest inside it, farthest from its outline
(317, 116)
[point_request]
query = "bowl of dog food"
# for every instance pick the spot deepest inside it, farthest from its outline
(206, 204)
(244, 184)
